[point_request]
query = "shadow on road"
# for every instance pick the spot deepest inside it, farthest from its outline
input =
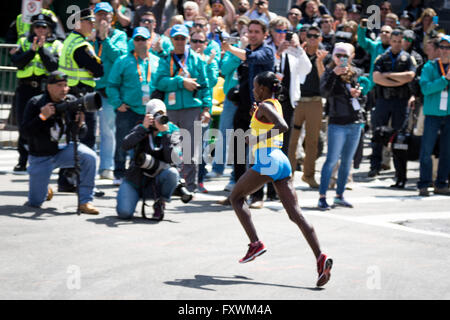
(20, 212)
(115, 222)
(200, 281)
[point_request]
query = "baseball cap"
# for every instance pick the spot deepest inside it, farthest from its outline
(342, 47)
(445, 38)
(179, 30)
(141, 31)
(56, 76)
(103, 6)
(409, 34)
(154, 106)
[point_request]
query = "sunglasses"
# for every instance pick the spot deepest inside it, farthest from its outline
(179, 38)
(408, 39)
(444, 47)
(197, 41)
(138, 38)
(199, 25)
(340, 55)
(310, 35)
(147, 20)
(281, 30)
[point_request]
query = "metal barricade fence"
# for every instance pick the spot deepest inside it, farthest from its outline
(8, 84)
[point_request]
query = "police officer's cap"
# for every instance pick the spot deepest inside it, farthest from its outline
(354, 8)
(407, 15)
(87, 14)
(42, 19)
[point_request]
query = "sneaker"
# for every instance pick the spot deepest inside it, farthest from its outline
(107, 174)
(340, 202)
(117, 181)
(255, 249)
(20, 168)
(424, 192)
(324, 265)
(158, 210)
(311, 181)
(213, 175)
(229, 187)
(67, 188)
(373, 173)
(201, 188)
(49, 194)
(323, 205)
(443, 191)
(98, 193)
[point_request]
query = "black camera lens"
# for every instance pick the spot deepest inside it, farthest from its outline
(289, 35)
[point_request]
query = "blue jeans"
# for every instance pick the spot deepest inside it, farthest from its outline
(107, 119)
(342, 143)
(128, 196)
(125, 121)
(225, 122)
(40, 170)
(432, 125)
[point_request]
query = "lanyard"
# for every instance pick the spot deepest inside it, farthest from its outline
(182, 65)
(441, 66)
(149, 71)
(100, 49)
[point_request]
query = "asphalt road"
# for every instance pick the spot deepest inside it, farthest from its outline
(392, 245)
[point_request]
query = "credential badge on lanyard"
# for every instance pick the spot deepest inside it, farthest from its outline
(444, 93)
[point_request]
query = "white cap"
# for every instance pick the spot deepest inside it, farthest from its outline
(154, 106)
(342, 47)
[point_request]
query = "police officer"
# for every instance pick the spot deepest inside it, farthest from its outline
(393, 70)
(35, 58)
(81, 64)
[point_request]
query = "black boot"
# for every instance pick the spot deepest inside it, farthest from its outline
(158, 207)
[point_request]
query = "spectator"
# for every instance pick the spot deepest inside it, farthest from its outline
(340, 15)
(354, 12)
(435, 83)
(328, 34)
(408, 46)
(309, 109)
(160, 44)
(385, 9)
(294, 16)
(217, 24)
(406, 20)
(311, 15)
(182, 76)
(393, 71)
(221, 8)
(256, 58)
(130, 85)
(242, 7)
(198, 44)
(35, 58)
(161, 144)
(260, 10)
(322, 9)
(150, 5)
(178, 19)
(201, 24)
(361, 59)
(43, 128)
(391, 20)
(415, 8)
(339, 85)
(191, 10)
(110, 43)
(122, 14)
(424, 28)
(374, 48)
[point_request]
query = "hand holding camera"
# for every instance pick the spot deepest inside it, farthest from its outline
(190, 84)
(48, 110)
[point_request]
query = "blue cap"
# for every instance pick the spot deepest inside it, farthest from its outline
(446, 38)
(141, 31)
(103, 6)
(179, 30)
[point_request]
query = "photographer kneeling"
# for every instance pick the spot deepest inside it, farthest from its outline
(43, 125)
(152, 173)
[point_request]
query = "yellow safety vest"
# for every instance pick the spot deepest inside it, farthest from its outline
(69, 66)
(23, 27)
(259, 128)
(35, 66)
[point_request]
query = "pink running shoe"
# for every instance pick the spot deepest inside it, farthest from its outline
(255, 249)
(324, 265)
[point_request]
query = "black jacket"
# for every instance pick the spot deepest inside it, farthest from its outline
(165, 148)
(39, 132)
(339, 106)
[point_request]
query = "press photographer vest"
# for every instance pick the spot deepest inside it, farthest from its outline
(69, 66)
(391, 64)
(35, 67)
(258, 127)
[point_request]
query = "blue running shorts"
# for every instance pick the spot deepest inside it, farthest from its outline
(272, 162)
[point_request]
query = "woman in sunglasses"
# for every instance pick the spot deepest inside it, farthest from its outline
(339, 85)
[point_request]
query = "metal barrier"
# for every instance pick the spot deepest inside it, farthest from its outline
(8, 84)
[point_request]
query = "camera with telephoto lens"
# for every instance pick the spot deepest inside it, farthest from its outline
(151, 166)
(219, 32)
(162, 119)
(89, 102)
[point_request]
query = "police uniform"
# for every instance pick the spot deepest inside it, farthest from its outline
(81, 65)
(391, 103)
(33, 69)
(22, 28)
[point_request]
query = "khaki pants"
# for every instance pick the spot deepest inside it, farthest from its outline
(310, 114)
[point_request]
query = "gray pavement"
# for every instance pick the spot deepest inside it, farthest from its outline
(392, 245)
